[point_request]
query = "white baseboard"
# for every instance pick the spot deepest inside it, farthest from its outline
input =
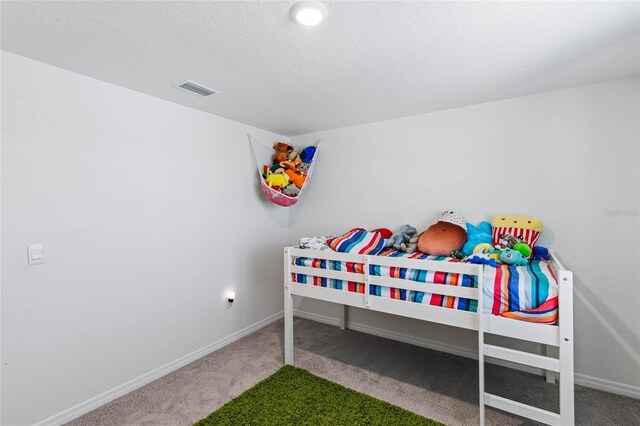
(607, 386)
(105, 397)
(580, 379)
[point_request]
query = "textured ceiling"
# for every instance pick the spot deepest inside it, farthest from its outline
(369, 61)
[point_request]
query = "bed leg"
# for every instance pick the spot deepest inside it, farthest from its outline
(288, 311)
(288, 328)
(343, 317)
(549, 375)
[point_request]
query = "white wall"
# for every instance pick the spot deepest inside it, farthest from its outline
(149, 212)
(569, 157)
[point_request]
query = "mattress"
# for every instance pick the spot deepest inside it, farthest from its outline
(528, 293)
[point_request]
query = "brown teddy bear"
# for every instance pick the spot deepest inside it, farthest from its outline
(445, 236)
(282, 152)
(294, 158)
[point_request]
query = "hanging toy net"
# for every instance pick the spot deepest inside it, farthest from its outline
(284, 170)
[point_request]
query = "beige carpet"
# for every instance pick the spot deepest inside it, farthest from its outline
(436, 385)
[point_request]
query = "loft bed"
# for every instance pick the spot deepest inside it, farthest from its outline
(356, 280)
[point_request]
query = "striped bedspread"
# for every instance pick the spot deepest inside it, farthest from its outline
(528, 293)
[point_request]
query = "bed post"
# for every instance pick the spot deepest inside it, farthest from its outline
(565, 310)
(288, 310)
(367, 296)
(481, 319)
(549, 375)
(343, 317)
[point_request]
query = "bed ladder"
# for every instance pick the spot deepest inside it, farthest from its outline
(511, 406)
(549, 364)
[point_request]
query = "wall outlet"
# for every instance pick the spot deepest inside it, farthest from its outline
(35, 254)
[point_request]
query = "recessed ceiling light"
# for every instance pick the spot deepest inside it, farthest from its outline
(308, 12)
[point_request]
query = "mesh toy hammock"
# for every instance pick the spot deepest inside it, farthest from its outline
(263, 156)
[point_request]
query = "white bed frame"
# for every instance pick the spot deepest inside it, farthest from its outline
(560, 335)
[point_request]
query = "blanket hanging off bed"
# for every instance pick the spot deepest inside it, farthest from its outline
(262, 155)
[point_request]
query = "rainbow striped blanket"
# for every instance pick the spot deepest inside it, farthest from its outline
(528, 293)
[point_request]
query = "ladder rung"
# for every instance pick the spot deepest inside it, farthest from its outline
(520, 409)
(544, 362)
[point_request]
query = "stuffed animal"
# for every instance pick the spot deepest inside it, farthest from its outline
(482, 259)
(475, 236)
(384, 232)
(523, 248)
(282, 152)
(445, 236)
(277, 168)
(296, 176)
(401, 237)
(488, 250)
(307, 154)
(457, 254)
(291, 191)
(483, 248)
(507, 241)
(540, 253)
(294, 158)
(512, 257)
(277, 179)
(411, 246)
(304, 167)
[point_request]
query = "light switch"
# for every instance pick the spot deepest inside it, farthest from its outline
(35, 254)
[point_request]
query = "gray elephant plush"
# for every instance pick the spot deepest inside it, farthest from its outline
(291, 191)
(403, 240)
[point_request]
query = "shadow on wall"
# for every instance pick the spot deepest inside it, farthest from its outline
(547, 238)
(263, 273)
(294, 211)
(620, 331)
(277, 214)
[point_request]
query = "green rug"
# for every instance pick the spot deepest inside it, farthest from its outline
(293, 396)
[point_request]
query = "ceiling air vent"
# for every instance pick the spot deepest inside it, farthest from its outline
(196, 88)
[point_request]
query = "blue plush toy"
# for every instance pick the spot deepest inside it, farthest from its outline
(540, 253)
(482, 259)
(475, 236)
(307, 154)
(512, 257)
